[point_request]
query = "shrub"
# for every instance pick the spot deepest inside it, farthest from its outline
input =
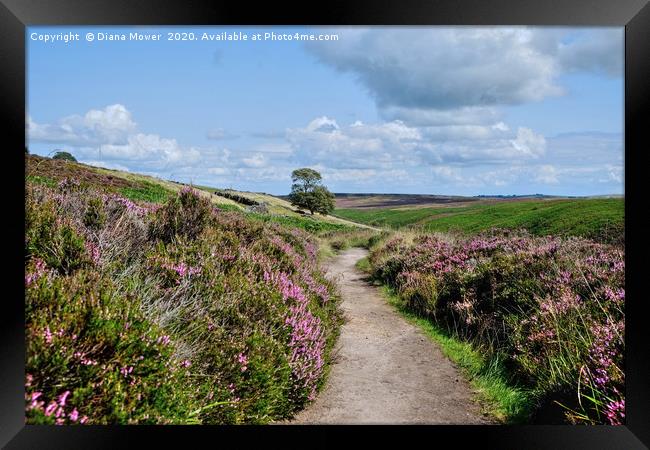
(185, 215)
(53, 239)
(95, 216)
(92, 357)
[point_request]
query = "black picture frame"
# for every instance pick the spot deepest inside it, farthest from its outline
(634, 15)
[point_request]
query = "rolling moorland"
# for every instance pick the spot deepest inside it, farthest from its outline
(148, 301)
(596, 218)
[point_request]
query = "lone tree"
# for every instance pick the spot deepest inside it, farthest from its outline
(308, 193)
(64, 156)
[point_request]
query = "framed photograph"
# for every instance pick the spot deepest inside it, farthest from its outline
(410, 220)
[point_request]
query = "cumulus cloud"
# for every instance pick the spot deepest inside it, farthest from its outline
(153, 149)
(112, 134)
(459, 75)
(257, 160)
(547, 174)
(384, 145)
(443, 68)
(529, 143)
(113, 124)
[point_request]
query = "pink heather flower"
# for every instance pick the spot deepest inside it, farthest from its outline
(93, 251)
(616, 412)
(63, 397)
(47, 335)
(35, 395)
(29, 380)
(186, 363)
(164, 340)
(50, 408)
(40, 269)
(83, 419)
(74, 415)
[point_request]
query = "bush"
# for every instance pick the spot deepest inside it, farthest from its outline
(93, 358)
(185, 215)
(53, 239)
(95, 216)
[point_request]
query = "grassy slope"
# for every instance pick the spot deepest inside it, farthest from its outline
(131, 185)
(146, 188)
(282, 207)
(581, 217)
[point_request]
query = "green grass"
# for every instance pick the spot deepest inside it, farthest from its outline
(228, 207)
(364, 265)
(40, 180)
(601, 219)
(305, 223)
(148, 192)
(499, 398)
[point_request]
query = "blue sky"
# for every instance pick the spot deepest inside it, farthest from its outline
(440, 110)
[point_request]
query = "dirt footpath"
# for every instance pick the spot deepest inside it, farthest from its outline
(386, 370)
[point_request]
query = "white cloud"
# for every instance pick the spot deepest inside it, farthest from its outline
(323, 125)
(107, 165)
(547, 174)
(218, 171)
(111, 125)
(158, 151)
(390, 144)
(257, 160)
(459, 75)
(529, 143)
(112, 134)
(442, 68)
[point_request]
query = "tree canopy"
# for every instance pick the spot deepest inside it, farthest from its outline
(65, 156)
(308, 193)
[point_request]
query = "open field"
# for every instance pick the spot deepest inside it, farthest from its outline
(601, 218)
(395, 200)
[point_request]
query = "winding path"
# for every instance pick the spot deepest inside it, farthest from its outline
(385, 369)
